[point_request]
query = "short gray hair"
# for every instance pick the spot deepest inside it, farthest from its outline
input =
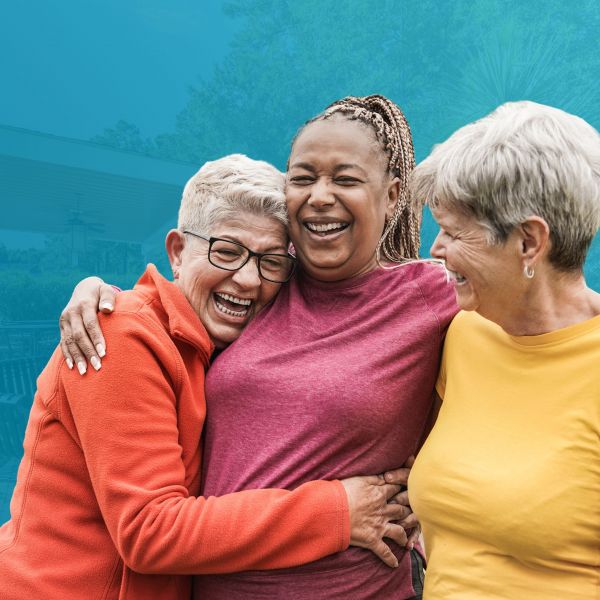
(523, 159)
(224, 187)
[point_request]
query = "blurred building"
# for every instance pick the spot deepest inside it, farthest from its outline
(68, 207)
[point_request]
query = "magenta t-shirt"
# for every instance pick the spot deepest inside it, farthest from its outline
(332, 380)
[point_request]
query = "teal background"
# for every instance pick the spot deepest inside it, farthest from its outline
(108, 107)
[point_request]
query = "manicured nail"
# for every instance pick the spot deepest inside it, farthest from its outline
(69, 363)
(101, 351)
(106, 306)
(96, 362)
(81, 368)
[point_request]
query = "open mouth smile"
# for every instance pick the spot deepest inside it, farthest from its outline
(234, 306)
(325, 229)
(455, 277)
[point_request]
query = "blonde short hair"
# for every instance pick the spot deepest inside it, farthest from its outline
(223, 188)
(523, 159)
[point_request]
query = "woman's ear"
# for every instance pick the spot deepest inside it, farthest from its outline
(175, 243)
(535, 239)
(393, 194)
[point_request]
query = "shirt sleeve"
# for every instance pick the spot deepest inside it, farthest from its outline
(125, 420)
(440, 384)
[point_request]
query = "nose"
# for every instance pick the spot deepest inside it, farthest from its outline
(320, 194)
(438, 250)
(248, 276)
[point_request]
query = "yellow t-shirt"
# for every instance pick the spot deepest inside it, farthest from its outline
(507, 486)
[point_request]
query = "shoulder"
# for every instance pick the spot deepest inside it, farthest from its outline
(468, 328)
(134, 311)
(430, 278)
(137, 322)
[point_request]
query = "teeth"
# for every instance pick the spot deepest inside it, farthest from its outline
(234, 299)
(456, 276)
(325, 226)
(227, 311)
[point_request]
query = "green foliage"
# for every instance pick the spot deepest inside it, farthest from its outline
(445, 63)
(35, 284)
(26, 296)
(126, 136)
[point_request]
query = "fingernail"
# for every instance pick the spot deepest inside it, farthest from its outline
(411, 546)
(101, 351)
(106, 306)
(69, 363)
(81, 368)
(96, 363)
(387, 477)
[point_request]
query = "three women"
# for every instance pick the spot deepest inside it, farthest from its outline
(336, 374)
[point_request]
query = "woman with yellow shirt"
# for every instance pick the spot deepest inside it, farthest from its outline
(507, 486)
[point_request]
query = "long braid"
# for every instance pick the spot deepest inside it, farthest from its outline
(401, 237)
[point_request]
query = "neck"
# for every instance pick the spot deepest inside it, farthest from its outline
(552, 302)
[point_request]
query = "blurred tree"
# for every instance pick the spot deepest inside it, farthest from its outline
(444, 63)
(125, 136)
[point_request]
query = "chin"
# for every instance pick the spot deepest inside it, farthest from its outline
(465, 304)
(222, 337)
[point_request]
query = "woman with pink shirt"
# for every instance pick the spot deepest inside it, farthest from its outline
(335, 377)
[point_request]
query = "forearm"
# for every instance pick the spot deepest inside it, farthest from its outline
(126, 418)
(255, 529)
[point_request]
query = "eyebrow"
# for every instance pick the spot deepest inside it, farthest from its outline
(337, 168)
(269, 250)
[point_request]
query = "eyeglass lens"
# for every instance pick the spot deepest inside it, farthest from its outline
(231, 256)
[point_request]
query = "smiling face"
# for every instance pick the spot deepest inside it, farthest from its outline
(225, 301)
(487, 278)
(338, 194)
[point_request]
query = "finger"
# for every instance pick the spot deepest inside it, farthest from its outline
(92, 327)
(398, 476)
(76, 356)
(65, 332)
(410, 521)
(397, 512)
(413, 538)
(107, 298)
(401, 498)
(397, 533)
(84, 345)
(390, 490)
(66, 353)
(410, 461)
(383, 551)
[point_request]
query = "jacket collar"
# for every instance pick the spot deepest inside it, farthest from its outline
(179, 317)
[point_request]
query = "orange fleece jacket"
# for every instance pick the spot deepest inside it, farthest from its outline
(105, 505)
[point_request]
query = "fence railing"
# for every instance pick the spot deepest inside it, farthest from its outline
(25, 347)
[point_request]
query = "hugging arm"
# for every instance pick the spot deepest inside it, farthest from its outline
(125, 421)
(256, 529)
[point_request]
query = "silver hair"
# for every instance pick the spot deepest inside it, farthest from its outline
(223, 188)
(523, 159)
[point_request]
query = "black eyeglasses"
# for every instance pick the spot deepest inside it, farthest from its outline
(232, 256)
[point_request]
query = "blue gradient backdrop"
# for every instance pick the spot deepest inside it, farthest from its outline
(108, 107)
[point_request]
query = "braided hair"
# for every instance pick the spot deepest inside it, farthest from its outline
(401, 237)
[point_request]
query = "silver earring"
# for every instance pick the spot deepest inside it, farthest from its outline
(528, 272)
